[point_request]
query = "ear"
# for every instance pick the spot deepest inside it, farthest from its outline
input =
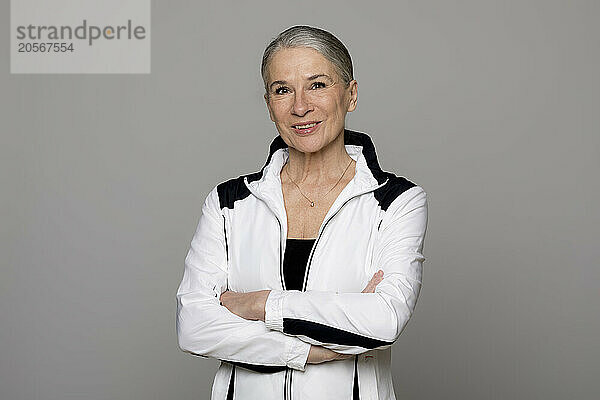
(269, 107)
(353, 89)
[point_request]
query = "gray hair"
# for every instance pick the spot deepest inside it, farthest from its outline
(317, 39)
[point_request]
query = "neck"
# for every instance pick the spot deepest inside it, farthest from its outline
(320, 167)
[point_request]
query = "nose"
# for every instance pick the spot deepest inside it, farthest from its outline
(301, 105)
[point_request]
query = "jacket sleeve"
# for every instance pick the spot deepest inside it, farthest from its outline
(205, 327)
(353, 323)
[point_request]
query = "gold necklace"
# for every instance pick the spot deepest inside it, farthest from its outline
(312, 203)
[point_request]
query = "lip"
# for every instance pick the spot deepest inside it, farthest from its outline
(309, 130)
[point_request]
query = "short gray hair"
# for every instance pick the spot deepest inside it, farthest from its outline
(317, 39)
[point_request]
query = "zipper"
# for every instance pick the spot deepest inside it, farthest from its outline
(312, 251)
(287, 384)
(287, 381)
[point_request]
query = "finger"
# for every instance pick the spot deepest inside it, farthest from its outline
(370, 286)
(340, 356)
(375, 280)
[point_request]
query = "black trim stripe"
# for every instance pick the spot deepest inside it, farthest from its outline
(290, 383)
(329, 334)
(286, 387)
(265, 369)
(226, 245)
(355, 389)
(230, 389)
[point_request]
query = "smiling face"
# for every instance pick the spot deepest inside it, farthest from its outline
(305, 89)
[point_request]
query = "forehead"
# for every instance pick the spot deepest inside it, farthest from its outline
(289, 63)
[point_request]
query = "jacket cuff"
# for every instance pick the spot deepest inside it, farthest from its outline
(297, 353)
(274, 310)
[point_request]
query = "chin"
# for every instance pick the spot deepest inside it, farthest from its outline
(308, 144)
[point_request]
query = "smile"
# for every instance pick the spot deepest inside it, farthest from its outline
(306, 128)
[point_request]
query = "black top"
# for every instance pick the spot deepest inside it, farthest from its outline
(294, 262)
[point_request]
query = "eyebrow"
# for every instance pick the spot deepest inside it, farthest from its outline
(310, 78)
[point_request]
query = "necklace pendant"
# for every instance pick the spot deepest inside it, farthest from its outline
(312, 203)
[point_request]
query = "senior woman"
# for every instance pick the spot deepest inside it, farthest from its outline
(302, 275)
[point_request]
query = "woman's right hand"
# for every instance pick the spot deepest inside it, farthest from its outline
(319, 354)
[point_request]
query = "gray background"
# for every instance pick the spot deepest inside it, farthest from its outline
(491, 106)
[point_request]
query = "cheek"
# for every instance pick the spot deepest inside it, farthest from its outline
(332, 104)
(336, 108)
(280, 107)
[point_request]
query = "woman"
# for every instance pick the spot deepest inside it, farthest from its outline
(302, 275)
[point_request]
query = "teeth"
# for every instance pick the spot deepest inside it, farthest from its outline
(305, 126)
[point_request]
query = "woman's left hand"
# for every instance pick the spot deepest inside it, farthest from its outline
(249, 305)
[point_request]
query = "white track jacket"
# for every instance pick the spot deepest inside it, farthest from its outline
(377, 222)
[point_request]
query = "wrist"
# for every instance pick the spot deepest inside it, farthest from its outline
(259, 304)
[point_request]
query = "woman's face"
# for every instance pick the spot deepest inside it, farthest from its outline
(305, 88)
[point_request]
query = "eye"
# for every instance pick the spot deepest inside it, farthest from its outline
(281, 90)
(318, 84)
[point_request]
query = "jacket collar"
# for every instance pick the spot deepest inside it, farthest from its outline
(359, 147)
(266, 183)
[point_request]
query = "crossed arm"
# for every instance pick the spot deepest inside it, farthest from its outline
(205, 328)
(251, 306)
(345, 323)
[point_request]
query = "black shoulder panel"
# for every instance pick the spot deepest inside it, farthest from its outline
(232, 190)
(389, 192)
(235, 188)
